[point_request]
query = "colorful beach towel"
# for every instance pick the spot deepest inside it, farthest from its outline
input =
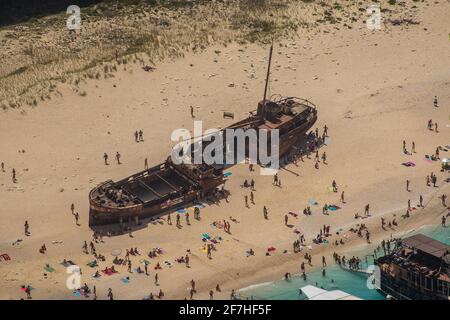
(125, 280)
(333, 207)
(93, 264)
(49, 268)
(227, 174)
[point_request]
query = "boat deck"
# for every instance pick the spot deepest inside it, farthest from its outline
(150, 186)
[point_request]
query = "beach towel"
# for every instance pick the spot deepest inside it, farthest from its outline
(409, 164)
(48, 268)
(270, 249)
(108, 272)
(227, 174)
(76, 293)
(313, 202)
(327, 141)
(93, 264)
(333, 207)
(200, 205)
(23, 288)
(206, 236)
(125, 280)
(330, 188)
(181, 210)
(5, 257)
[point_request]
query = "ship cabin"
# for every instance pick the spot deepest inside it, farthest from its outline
(418, 269)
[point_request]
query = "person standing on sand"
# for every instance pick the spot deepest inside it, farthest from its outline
(436, 127)
(324, 158)
(156, 279)
(433, 179)
(252, 197)
(136, 134)
(211, 295)
(77, 217)
(27, 228)
(246, 201)
(421, 201)
(14, 175)
(435, 102)
(443, 221)
(443, 198)
(169, 220)
(72, 208)
(413, 147)
(187, 219)
(105, 156)
(141, 135)
(3, 167)
(265, 213)
(366, 210)
(118, 157)
(178, 220)
(342, 197)
(28, 291)
(334, 186)
(192, 111)
(407, 185)
(325, 130)
(324, 262)
(286, 219)
(110, 294)
(146, 164)
(94, 292)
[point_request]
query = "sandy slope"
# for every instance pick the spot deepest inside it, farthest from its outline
(384, 81)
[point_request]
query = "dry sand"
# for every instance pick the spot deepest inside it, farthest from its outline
(373, 90)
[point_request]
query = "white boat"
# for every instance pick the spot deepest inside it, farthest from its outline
(315, 293)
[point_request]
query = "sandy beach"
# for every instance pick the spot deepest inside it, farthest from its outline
(373, 90)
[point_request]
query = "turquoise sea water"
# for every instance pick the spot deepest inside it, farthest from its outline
(336, 278)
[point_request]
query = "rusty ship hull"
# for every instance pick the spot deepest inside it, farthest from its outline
(169, 186)
(149, 193)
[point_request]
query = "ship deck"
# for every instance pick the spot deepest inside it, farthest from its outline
(152, 185)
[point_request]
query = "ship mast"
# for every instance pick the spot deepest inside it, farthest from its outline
(268, 73)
